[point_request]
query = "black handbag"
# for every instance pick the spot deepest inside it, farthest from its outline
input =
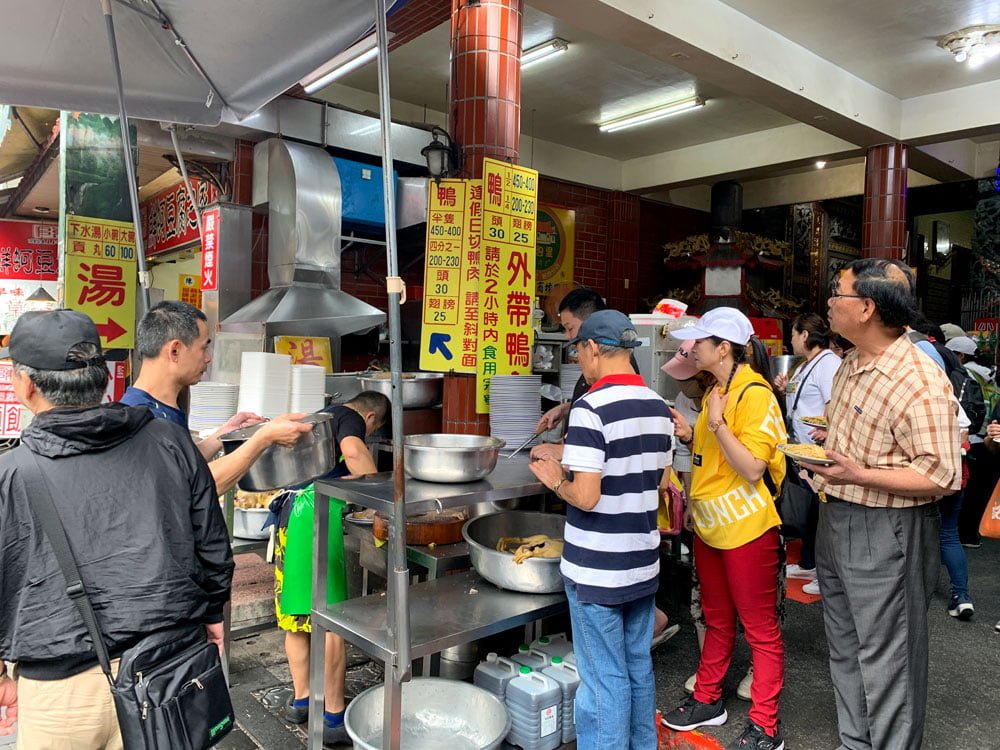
(171, 692)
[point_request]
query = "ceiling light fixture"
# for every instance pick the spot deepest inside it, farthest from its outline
(42, 210)
(356, 56)
(820, 164)
(649, 115)
(543, 51)
(973, 44)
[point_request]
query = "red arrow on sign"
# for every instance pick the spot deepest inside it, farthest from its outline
(111, 330)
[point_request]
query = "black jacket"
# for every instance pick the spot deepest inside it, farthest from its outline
(143, 518)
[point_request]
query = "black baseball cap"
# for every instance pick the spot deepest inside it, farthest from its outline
(606, 327)
(42, 340)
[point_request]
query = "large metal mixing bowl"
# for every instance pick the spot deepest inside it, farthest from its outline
(783, 364)
(436, 714)
(439, 457)
(278, 466)
(420, 389)
(534, 575)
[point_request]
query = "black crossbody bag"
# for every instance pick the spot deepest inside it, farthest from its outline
(170, 692)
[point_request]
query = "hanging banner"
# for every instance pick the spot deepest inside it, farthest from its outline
(101, 276)
(448, 339)
(211, 217)
(189, 289)
(555, 247)
(507, 274)
(10, 407)
(169, 221)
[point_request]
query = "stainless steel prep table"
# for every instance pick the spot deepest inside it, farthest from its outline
(444, 612)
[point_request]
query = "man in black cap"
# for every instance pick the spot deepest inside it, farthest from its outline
(142, 517)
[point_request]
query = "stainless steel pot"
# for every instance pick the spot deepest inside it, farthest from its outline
(783, 364)
(438, 457)
(343, 386)
(420, 389)
(278, 466)
(532, 576)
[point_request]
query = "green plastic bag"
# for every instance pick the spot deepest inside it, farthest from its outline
(296, 593)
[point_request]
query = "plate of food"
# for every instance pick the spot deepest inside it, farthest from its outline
(814, 421)
(806, 453)
(364, 517)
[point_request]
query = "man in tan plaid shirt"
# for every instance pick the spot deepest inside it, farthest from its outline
(893, 440)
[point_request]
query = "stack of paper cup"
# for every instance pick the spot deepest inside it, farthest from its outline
(308, 388)
(265, 380)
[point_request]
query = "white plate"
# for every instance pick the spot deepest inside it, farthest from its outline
(804, 459)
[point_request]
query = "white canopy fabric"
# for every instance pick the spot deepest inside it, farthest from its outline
(55, 54)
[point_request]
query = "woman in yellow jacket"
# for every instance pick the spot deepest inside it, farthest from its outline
(737, 548)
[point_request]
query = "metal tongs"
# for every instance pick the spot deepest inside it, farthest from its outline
(523, 445)
(551, 392)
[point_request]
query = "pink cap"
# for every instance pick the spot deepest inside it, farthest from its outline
(681, 366)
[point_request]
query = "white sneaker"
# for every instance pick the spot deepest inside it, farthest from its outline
(743, 689)
(811, 588)
(795, 571)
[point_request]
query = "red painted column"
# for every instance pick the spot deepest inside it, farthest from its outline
(623, 252)
(486, 122)
(884, 229)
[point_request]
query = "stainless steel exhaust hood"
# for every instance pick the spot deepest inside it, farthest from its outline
(301, 187)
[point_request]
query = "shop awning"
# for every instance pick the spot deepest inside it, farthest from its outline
(181, 61)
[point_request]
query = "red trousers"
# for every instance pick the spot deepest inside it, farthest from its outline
(742, 582)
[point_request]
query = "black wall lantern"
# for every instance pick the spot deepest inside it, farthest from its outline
(443, 159)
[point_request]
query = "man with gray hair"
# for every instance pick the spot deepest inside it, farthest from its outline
(894, 451)
(172, 341)
(142, 517)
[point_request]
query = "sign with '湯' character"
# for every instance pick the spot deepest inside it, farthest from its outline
(507, 274)
(101, 276)
(448, 338)
(306, 350)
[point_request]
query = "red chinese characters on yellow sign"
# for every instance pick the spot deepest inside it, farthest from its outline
(508, 274)
(101, 276)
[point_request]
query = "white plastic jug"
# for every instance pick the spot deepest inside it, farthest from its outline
(535, 705)
(569, 680)
(531, 657)
(553, 645)
(494, 674)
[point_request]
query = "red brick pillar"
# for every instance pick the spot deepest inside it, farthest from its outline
(884, 231)
(486, 122)
(623, 252)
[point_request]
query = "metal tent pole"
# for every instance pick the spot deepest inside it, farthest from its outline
(398, 613)
(133, 189)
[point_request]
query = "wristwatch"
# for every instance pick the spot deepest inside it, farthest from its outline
(714, 425)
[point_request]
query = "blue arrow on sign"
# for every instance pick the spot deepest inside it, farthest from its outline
(439, 343)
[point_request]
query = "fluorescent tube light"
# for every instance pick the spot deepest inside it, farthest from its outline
(543, 51)
(352, 58)
(649, 115)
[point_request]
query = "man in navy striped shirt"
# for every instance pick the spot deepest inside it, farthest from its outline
(617, 447)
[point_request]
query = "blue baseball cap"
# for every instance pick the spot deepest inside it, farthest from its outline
(606, 327)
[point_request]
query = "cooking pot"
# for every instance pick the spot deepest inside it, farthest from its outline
(278, 466)
(420, 389)
(783, 364)
(535, 575)
(439, 457)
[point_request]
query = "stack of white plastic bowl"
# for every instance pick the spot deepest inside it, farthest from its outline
(265, 380)
(308, 388)
(212, 404)
(515, 407)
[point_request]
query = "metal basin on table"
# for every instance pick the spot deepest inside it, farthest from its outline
(783, 364)
(440, 457)
(420, 389)
(436, 714)
(278, 466)
(532, 576)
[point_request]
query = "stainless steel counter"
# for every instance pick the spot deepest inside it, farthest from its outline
(510, 479)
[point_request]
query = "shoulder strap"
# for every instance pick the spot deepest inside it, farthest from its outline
(802, 382)
(46, 516)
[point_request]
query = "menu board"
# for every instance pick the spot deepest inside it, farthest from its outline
(507, 274)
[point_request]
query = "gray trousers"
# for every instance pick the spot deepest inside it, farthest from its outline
(877, 568)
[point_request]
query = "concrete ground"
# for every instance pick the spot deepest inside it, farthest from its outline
(964, 658)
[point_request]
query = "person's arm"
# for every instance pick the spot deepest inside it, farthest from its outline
(552, 417)
(583, 491)
(737, 455)
(897, 481)
(547, 450)
(212, 444)
(227, 470)
(357, 456)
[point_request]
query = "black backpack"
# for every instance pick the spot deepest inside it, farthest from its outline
(968, 392)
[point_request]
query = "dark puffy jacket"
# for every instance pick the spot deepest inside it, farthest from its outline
(143, 519)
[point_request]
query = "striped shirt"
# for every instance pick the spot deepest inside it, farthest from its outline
(895, 412)
(622, 430)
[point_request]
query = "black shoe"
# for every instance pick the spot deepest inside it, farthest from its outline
(692, 714)
(295, 714)
(755, 738)
(335, 736)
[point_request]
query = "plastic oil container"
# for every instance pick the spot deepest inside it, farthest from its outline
(569, 680)
(531, 657)
(553, 645)
(494, 674)
(534, 702)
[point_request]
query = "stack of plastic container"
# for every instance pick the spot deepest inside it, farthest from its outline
(534, 702)
(553, 645)
(569, 680)
(494, 674)
(531, 657)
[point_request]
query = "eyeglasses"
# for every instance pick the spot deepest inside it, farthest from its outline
(834, 294)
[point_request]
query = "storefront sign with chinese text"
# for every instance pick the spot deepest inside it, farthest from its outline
(448, 338)
(10, 407)
(169, 221)
(101, 276)
(210, 249)
(116, 384)
(306, 350)
(189, 289)
(507, 274)
(555, 248)
(29, 251)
